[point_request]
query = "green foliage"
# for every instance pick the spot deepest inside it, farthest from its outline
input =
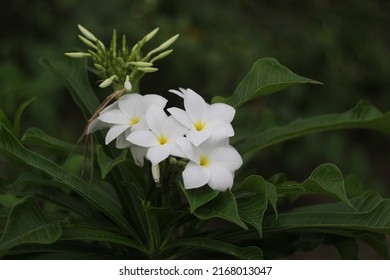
(121, 213)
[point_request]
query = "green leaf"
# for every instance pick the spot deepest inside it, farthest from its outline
(35, 136)
(267, 76)
(74, 74)
(27, 224)
(373, 216)
(83, 233)
(198, 197)
(363, 115)
(5, 120)
(328, 178)
(224, 206)
(95, 196)
(245, 253)
(18, 115)
(254, 193)
(106, 163)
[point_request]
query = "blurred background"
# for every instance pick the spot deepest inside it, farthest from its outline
(344, 44)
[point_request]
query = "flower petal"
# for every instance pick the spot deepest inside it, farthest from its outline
(128, 104)
(198, 137)
(143, 138)
(115, 131)
(173, 129)
(96, 124)
(181, 116)
(221, 178)
(121, 141)
(226, 156)
(114, 116)
(155, 118)
(149, 100)
(138, 154)
(221, 111)
(195, 176)
(158, 153)
(188, 149)
(195, 105)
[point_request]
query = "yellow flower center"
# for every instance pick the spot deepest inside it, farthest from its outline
(163, 139)
(203, 161)
(199, 125)
(134, 120)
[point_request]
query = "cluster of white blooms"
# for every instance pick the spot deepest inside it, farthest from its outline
(199, 134)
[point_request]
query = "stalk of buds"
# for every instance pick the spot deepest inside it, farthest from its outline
(118, 65)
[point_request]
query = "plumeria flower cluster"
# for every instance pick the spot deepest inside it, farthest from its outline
(199, 135)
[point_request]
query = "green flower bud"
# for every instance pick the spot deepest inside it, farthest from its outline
(147, 69)
(77, 54)
(87, 34)
(161, 55)
(108, 81)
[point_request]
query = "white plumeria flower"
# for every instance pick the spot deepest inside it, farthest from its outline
(138, 153)
(212, 163)
(162, 136)
(203, 120)
(129, 113)
(97, 124)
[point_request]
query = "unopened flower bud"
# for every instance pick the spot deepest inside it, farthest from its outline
(161, 55)
(164, 45)
(147, 69)
(87, 42)
(77, 54)
(156, 173)
(108, 81)
(87, 34)
(151, 34)
(127, 85)
(139, 63)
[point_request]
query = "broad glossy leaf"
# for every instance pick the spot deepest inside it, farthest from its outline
(96, 197)
(245, 253)
(18, 115)
(363, 115)
(373, 217)
(267, 76)
(5, 120)
(254, 193)
(35, 136)
(198, 197)
(327, 178)
(106, 163)
(83, 233)
(27, 224)
(224, 206)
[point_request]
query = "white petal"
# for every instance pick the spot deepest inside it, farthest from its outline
(195, 176)
(177, 92)
(158, 153)
(115, 131)
(226, 156)
(173, 129)
(143, 138)
(121, 141)
(221, 178)
(149, 100)
(96, 124)
(221, 111)
(222, 131)
(198, 137)
(181, 116)
(114, 116)
(155, 118)
(176, 151)
(128, 104)
(138, 154)
(188, 149)
(195, 105)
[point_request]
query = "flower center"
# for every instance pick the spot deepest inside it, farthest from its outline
(199, 125)
(203, 161)
(134, 120)
(163, 139)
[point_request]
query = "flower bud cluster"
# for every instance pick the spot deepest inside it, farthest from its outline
(199, 134)
(117, 65)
